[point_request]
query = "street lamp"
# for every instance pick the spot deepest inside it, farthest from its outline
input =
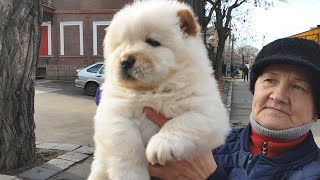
(242, 65)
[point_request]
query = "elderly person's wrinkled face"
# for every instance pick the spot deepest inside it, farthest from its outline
(283, 98)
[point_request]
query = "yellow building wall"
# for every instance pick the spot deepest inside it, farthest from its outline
(313, 34)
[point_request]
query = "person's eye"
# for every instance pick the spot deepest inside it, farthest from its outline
(152, 42)
(270, 81)
(295, 86)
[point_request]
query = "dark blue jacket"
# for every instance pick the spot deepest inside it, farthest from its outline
(236, 162)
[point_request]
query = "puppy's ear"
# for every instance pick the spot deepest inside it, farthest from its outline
(188, 22)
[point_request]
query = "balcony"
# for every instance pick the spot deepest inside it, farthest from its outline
(48, 9)
(48, 3)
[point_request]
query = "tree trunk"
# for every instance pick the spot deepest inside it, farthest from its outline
(219, 55)
(219, 62)
(20, 22)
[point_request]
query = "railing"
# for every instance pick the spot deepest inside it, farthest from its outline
(41, 72)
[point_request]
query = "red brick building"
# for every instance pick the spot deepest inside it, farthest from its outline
(72, 35)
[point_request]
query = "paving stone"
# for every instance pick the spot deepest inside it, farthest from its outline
(38, 173)
(73, 156)
(42, 90)
(6, 177)
(67, 147)
(46, 145)
(38, 142)
(229, 97)
(58, 164)
(85, 150)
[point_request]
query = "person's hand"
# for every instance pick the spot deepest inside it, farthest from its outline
(156, 118)
(198, 168)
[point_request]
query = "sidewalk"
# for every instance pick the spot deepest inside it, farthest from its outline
(241, 103)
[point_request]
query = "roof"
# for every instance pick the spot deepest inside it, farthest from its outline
(312, 34)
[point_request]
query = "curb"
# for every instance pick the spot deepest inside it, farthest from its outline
(229, 97)
(75, 153)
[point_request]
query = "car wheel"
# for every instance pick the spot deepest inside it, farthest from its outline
(91, 88)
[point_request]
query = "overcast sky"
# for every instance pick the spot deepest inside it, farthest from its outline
(284, 19)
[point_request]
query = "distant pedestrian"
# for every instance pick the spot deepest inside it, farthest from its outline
(245, 72)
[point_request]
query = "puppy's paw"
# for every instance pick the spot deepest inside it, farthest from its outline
(162, 149)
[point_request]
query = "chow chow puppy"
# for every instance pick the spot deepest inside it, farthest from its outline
(156, 58)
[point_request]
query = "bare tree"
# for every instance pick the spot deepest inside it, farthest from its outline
(221, 12)
(248, 50)
(247, 54)
(20, 22)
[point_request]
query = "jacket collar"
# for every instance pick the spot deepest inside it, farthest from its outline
(304, 150)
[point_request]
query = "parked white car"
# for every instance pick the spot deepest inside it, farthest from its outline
(90, 78)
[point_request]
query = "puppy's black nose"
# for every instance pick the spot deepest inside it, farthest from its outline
(128, 63)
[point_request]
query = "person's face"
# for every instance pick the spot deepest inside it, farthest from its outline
(283, 98)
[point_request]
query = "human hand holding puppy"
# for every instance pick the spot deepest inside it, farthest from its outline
(200, 167)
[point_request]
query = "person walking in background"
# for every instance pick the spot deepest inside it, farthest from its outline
(245, 72)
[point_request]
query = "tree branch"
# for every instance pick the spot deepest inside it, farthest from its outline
(236, 4)
(211, 2)
(208, 18)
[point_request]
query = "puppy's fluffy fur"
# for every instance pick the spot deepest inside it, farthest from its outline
(155, 57)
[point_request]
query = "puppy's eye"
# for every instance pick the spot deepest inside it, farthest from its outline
(153, 42)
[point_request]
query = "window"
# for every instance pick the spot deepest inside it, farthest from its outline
(71, 47)
(98, 29)
(45, 44)
(95, 68)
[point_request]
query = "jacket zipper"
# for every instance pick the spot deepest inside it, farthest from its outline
(263, 152)
(264, 148)
(249, 160)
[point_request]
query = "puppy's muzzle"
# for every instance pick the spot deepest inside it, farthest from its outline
(128, 63)
(126, 66)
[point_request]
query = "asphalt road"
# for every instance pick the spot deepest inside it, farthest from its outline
(63, 113)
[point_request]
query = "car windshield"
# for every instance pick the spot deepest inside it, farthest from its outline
(101, 70)
(95, 68)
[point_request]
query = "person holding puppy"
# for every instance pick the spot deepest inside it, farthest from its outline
(278, 142)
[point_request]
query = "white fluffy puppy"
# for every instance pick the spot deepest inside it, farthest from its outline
(155, 57)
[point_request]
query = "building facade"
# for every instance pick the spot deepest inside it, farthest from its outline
(72, 35)
(312, 34)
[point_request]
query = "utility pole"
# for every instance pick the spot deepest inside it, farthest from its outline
(228, 58)
(263, 39)
(231, 58)
(242, 64)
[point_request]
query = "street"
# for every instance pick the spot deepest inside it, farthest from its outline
(63, 113)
